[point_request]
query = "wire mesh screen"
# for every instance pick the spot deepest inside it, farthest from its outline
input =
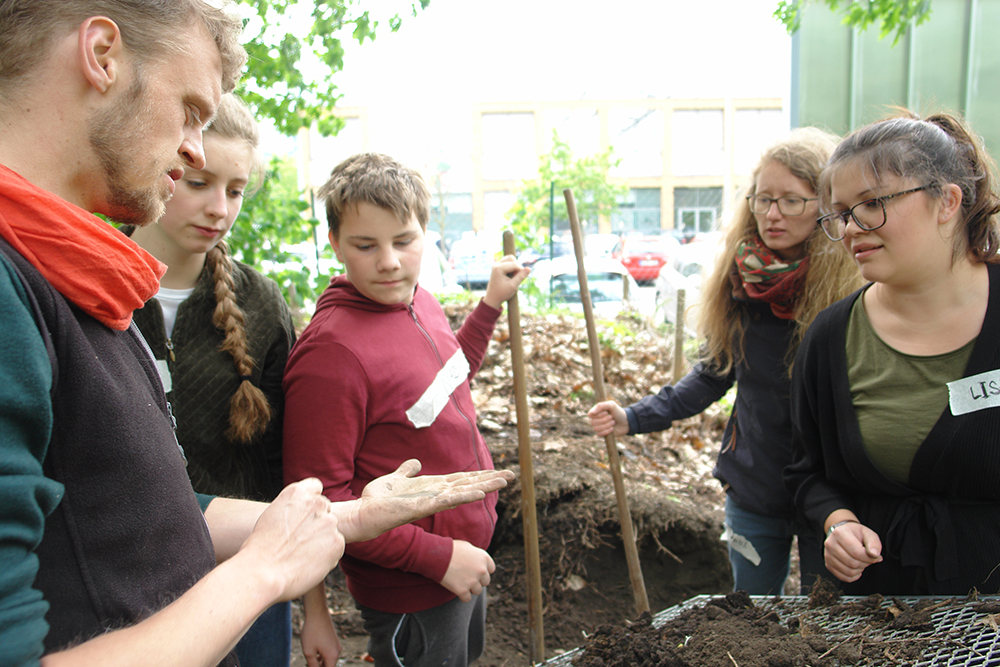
(957, 632)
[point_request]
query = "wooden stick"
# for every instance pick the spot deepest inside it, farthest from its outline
(679, 333)
(625, 517)
(529, 520)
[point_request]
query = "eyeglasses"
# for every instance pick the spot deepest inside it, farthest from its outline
(789, 205)
(869, 215)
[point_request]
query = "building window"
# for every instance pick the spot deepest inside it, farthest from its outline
(509, 146)
(696, 210)
(456, 218)
(640, 212)
(697, 141)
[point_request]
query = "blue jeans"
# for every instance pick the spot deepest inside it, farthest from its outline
(268, 642)
(760, 551)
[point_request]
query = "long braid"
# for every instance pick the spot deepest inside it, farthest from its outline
(249, 411)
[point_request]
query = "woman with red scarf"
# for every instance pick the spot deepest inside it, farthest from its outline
(775, 272)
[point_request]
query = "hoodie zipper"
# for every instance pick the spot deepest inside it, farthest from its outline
(437, 355)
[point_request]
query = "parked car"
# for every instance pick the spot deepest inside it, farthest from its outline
(472, 258)
(558, 248)
(684, 271)
(644, 256)
(610, 285)
(600, 245)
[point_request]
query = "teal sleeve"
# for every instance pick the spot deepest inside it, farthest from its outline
(204, 500)
(26, 496)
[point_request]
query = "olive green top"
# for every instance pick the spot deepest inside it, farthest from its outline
(898, 397)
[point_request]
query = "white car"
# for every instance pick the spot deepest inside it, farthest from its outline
(610, 285)
(684, 271)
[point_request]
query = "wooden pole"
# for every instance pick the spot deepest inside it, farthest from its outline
(625, 517)
(529, 520)
(679, 334)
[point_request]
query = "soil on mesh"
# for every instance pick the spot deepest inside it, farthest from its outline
(732, 630)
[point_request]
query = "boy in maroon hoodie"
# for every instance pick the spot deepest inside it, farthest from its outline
(376, 378)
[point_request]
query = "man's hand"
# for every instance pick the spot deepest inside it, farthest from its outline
(297, 537)
(506, 276)
(401, 497)
(608, 417)
(850, 549)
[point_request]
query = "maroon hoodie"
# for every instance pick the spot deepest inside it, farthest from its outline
(368, 386)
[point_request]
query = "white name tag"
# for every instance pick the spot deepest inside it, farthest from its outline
(741, 545)
(429, 406)
(168, 384)
(974, 393)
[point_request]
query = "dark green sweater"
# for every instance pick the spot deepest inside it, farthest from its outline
(205, 379)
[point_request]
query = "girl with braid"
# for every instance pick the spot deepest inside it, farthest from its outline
(774, 273)
(221, 333)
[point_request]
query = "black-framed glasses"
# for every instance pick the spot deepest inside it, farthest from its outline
(789, 205)
(869, 215)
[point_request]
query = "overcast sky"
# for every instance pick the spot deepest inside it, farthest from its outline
(457, 52)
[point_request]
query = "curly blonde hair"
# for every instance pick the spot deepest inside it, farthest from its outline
(249, 410)
(832, 273)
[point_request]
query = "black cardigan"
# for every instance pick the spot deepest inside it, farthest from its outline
(940, 532)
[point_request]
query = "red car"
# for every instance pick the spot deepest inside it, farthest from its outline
(644, 256)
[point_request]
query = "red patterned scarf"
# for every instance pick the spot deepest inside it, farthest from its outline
(84, 258)
(759, 274)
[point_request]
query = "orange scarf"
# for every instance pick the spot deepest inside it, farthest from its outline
(84, 258)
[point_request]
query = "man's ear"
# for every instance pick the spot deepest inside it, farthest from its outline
(101, 52)
(335, 245)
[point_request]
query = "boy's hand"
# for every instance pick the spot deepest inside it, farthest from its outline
(506, 277)
(608, 417)
(321, 645)
(469, 570)
(402, 496)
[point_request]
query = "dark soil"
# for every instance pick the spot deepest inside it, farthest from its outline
(734, 631)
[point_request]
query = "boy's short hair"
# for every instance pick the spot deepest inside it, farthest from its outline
(378, 180)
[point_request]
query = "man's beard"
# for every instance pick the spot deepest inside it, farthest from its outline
(117, 137)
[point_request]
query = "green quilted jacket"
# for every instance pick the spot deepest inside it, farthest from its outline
(205, 379)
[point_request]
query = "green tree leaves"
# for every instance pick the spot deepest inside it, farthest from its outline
(271, 222)
(595, 196)
(893, 16)
(276, 86)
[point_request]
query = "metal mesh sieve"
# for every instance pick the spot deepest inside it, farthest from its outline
(960, 634)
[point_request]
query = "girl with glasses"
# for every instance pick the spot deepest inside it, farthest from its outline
(774, 273)
(896, 388)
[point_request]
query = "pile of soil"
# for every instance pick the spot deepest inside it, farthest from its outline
(733, 631)
(675, 504)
